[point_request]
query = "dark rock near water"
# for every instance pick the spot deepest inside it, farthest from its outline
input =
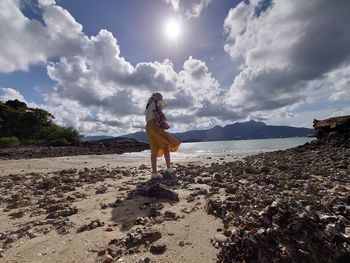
(80, 148)
(335, 131)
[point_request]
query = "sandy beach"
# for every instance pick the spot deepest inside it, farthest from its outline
(195, 229)
(94, 208)
(94, 161)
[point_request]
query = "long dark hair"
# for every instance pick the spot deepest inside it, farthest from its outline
(155, 97)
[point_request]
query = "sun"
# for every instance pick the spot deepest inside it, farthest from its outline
(173, 29)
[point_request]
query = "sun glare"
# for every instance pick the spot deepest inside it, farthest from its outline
(173, 30)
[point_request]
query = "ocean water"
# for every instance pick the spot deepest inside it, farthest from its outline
(237, 147)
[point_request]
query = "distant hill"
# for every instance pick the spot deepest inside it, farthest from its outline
(118, 139)
(96, 138)
(236, 131)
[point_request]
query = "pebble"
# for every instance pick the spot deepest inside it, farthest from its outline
(158, 247)
(144, 260)
(220, 238)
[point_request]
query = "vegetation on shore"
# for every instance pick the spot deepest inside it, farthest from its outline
(21, 125)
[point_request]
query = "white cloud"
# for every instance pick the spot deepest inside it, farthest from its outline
(11, 94)
(197, 8)
(287, 47)
(305, 118)
(97, 89)
(174, 4)
(46, 2)
(27, 41)
(339, 81)
(189, 8)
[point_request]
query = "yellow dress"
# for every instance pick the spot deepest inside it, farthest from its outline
(158, 139)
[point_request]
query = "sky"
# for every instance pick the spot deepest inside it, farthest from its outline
(93, 64)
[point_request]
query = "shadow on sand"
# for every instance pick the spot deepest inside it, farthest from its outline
(143, 202)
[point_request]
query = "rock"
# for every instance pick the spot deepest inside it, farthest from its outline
(217, 177)
(220, 238)
(182, 243)
(18, 214)
(256, 239)
(251, 170)
(114, 250)
(64, 226)
(47, 184)
(141, 221)
(334, 131)
(243, 181)
(104, 259)
(215, 207)
(140, 236)
(265, 169)
(77, 148)
(170, 177)
(12, 238)
(153, 212)
(283, 167)
(144, 260)
(190, 198)
(231, 189)
(64, 213)
(109, 229)
(168, 215)
(199, 192)
(151, 235)
(101, 189)
(4, 235)
(31, 233)
(158, 247)
(55, 207)
(157, 190)
(92, 225)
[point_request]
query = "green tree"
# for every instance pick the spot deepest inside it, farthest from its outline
(32, 124)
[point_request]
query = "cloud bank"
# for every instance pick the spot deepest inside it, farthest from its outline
(97, 90)
(289, 50)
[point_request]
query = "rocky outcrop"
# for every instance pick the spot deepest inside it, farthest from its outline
(335, 131)
(80, 148)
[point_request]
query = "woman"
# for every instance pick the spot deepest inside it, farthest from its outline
(160, 141)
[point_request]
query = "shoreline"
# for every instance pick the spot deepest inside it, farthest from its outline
(80, 148)
(52, 164)
(44, 207)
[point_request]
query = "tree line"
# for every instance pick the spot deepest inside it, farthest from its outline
(21, 125)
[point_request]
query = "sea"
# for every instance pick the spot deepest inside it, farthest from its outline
(236, 147)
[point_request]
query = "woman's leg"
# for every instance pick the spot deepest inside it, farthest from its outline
(167, 157)
(154, 162)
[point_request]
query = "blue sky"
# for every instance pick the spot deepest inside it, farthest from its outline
(93, 64)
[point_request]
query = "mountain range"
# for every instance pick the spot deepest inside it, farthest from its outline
(236, 131)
